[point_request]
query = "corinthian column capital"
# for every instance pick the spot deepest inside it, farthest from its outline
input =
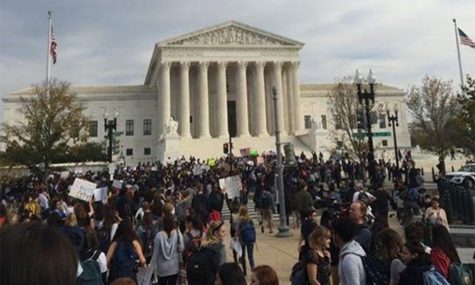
(204, 64)
(260, 65)
(184, 65)
(242, 64)
(165, 65)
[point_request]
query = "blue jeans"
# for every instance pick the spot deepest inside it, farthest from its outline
(250, 252)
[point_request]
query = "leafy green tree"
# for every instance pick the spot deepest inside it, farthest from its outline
(53, 123)
(466, 119)
(434, 108)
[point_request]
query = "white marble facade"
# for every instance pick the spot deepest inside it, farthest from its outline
(214, 82)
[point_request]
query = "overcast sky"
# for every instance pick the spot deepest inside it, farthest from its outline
(110, 42)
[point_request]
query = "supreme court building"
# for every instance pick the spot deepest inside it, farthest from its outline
(217, 82)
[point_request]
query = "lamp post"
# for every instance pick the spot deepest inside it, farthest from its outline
(283, 228)
(393, 121)
(109, 127)
(365, 96)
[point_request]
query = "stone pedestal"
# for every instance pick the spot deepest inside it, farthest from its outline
(169, 147)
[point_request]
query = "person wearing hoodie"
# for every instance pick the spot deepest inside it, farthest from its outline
(350, 266)
(167, 250)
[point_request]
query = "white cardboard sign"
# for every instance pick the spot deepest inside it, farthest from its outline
(232, 185)
(82, 189)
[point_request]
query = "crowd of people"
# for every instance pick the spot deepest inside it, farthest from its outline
(164, 225)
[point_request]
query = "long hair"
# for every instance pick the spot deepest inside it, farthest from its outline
(388, 244)
(243, 213)
(210, 234)
(125, 232)
(318, 236)
(441, 239)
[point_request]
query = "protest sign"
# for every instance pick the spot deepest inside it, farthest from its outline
(82, 189)
(64, 175)
(232, 185)
(117, 184)
(100, 194)
(245, 152)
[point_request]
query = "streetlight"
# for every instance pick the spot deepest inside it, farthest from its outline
(110, 126)
(393, 121)
(283, 228)
(364, 95)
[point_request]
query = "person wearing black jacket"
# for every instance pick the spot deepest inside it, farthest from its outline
(417, 262)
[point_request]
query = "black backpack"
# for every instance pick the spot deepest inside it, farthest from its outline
(202, 267)
(266, 200)
(299, 273)
(91, 274)
(374, 274)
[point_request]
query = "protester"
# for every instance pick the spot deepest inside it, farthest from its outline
(123, 252)
(435, 214)
(267, 208)
(417, 262)
(443, 252)
(358, 214)
(388, 245)
(350, 266)
(168, 248)
(308, 225)
(318, 258)
(303, 200)
(214, 240)
(264, 275)
(246, 234)
(43, 254)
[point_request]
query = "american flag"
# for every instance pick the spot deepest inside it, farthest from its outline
(53, 46)
(465, 40)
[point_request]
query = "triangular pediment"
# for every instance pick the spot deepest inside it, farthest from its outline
(231, 34)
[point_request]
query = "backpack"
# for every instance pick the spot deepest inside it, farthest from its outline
(147, 241)
(374, 274)
(247, 231)
(124, 262)
(433, 277)
(202, 267)
(266, 200)
(193, 246)
(459, 274)
(299, 273)
(91, 274)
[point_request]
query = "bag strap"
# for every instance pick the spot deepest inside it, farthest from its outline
(94, 256)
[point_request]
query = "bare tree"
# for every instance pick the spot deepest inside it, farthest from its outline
(434, 108)
(53, 122)
(343, 105)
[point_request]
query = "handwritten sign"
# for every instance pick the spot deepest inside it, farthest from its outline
(232, 185)
(82, 189)
(64, 175)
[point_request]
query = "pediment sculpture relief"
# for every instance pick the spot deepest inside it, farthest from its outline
(228, 36)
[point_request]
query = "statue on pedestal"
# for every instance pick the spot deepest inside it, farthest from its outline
(171, 127)
(316, 123)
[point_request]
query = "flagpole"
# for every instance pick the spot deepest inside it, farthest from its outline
(48, 52)
(458, 52)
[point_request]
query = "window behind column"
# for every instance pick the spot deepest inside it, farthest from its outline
(308, 122)
(324, 122)
(129, 127)
(382, 121)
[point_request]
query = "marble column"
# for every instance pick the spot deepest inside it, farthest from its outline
(242, 112)
(260, 100)
(164, 102)
(298, 116)
(203, 101)
(290, 103)
(222, 102)
(184, 119)
(277, 80)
